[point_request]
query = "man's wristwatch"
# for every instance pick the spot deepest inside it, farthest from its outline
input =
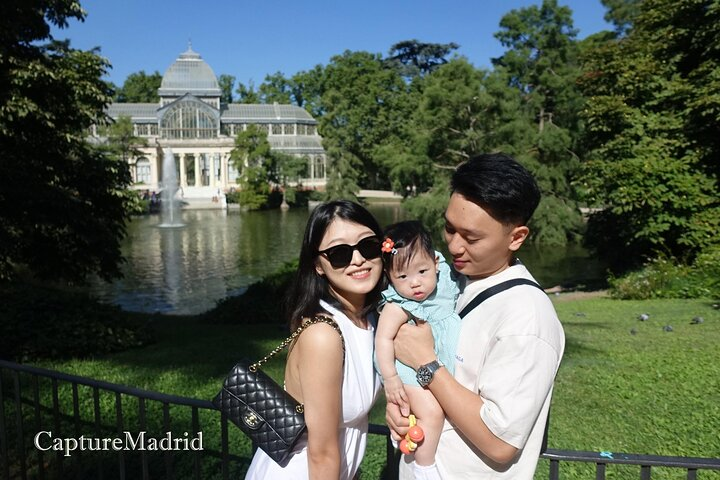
(426, 372)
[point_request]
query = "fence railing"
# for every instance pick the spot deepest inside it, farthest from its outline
(645, 463)
(43, 434)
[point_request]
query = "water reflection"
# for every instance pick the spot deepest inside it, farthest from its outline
(220, 253)
(216, 254)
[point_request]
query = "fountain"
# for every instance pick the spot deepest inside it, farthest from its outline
(170, 207)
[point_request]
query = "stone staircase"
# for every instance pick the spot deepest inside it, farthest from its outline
(202, 198)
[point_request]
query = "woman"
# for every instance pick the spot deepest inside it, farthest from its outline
(339, 276)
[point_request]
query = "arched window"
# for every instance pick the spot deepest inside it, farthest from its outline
(188, 120)
(319, 167)
(142, 170)
(233, 174)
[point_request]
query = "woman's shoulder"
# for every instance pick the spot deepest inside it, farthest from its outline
(321, 324)
(321, 337)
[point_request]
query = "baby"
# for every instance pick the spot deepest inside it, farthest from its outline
(422, 288)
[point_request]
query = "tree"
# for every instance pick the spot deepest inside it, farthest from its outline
(416, 59)
(62, 206)
(362, 104)
(342, 181)
(275, 88)
(226, 83)
(621, 13)
(541, 64)
(247, 94)
(252, 158)
(652, 132)
(140, 87)
(122, 143)
(460, 113)
(287, 170)
(307, 88)
(452, 113)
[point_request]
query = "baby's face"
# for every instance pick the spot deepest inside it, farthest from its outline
(418, 279)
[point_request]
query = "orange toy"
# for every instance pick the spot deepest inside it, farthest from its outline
(414, 436)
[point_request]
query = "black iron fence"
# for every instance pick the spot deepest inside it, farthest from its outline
(45, 433)
(643, 463)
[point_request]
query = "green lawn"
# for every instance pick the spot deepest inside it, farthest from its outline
(625, 385)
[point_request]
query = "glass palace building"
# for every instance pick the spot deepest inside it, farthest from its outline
(200, 130)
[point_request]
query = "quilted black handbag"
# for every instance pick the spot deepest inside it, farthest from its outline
(260, 407)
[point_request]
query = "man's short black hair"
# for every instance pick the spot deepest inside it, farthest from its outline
(500, 185)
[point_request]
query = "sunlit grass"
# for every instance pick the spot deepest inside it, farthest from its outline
(625, 385)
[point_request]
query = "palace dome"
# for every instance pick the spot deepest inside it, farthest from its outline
(189, 74)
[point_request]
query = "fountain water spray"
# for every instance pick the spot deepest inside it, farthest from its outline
(170, 211)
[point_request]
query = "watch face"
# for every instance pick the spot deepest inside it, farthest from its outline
(424, 375)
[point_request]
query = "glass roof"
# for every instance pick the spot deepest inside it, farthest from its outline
(277, 112)
(136, 111)
(189, 74)
(233, 113)
(293, 144)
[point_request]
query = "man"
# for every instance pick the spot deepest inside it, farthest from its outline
(510, 345)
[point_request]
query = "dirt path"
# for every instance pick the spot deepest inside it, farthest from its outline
(577, 295)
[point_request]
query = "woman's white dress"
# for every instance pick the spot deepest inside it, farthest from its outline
(359, 391)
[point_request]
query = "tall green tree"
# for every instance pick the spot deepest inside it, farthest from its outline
(287, 170)
(621, 13)
(252, 158)
(342, 179)
(462, 111)
(452, 113)
(122, 143)
(62, 207)
(140, 87)
(362, 104)
(652, 117)
(275, 88)
(247, 93)
(541, 63)
(307, 88)
(415, 59)
(226, 82)
(404, 155)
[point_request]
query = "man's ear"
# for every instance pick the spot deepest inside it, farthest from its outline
(517, 237)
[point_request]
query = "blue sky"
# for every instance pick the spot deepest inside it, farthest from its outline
(252, 39)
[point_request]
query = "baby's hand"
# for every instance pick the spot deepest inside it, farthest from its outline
(394, 391)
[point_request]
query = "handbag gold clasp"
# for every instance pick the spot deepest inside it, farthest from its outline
(251, 419)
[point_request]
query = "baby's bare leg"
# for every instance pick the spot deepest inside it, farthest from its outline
(430, 417)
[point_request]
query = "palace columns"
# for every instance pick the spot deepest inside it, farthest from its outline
(183, 173)
(198, 172)
(223, 170)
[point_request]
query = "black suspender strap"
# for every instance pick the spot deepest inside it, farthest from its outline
(494, 290)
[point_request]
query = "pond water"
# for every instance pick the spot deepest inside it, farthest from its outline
(219, 253)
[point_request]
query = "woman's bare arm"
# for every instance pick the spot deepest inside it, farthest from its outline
(319, 363)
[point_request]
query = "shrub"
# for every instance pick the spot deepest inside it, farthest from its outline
(251, 200)
(315, 195)
(259, 304)
(38, 322)
(667, 278)
(233, 196)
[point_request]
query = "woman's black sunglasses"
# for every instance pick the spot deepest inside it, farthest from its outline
(340, 256)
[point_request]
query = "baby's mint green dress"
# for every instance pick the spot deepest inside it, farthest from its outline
(439, 311)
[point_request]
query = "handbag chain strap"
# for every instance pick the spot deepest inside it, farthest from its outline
(295, 334)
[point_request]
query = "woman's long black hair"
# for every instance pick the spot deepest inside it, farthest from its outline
(308, 288)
